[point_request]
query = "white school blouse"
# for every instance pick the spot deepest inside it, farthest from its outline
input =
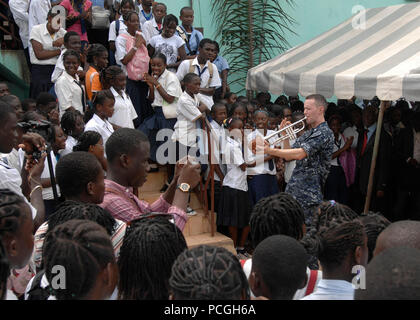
(40, 33)
(59, 68)
(187, 113)
(70, 93)
(235, 178)
(220, 131)
(124, 112)
(261, 167)
(150, 29)
(103, 127)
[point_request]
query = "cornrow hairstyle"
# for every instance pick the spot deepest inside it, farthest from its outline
(169, 19)
(68, 121)
(276, 214)
(337, 241)
(124, 141)
(100, 98)
(330, 213)
(74, 171)
(128, 15)
(95, 50)
(70, 34)
(87, 139)
(208, 273)
(149, 249)
(71, 52)
(374, 224)
(159, 55)
(110, 73)
(84, 249)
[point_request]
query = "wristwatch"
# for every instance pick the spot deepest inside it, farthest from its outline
(184, 187)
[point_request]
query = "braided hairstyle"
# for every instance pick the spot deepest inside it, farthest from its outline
(109, 74)
(149, 249)
(4, 271)
(68, 121)
(337, 241)
(208, 273)
(70, 210)
(12, 214)
(87, 139)
(94, 51)
(329, 213)
(374, 224)
(276, 214)
(84, 249)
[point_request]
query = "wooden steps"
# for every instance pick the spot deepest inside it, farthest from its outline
(197, 230)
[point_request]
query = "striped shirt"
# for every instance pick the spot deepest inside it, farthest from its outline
(121, 202)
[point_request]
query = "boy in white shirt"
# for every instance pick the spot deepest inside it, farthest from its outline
(207, 71)
(154, 27)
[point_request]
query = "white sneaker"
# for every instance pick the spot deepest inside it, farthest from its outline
(191, 212)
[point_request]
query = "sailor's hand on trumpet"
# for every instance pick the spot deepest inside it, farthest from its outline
(259, 145)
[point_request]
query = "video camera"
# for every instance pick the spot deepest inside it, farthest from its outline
(42, 127)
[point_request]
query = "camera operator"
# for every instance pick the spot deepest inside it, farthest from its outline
(27, 183)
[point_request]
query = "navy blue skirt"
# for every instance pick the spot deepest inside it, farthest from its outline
(40, 79)
(151, 126)
(138, 92)
(234, 208)
(261, 186)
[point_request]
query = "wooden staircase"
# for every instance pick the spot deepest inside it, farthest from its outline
(197, 231)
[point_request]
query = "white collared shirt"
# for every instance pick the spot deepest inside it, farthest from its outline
(103, 127)
(221, 134)
(112, 35)
(262, 167)
(172, 86)
(332, 290)
(150, 29)
(235, 178)
(19, 9)
(47, 193)
(38, 12)
(124, 112)
(41, 34)
(187, 114)
(142, 17)
(204, 75)
(69, 93)
(59, 68)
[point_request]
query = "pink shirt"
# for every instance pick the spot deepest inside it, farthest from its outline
(77, 27)
(121, 202)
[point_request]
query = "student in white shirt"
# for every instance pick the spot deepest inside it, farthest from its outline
(103, 108)
(118, 26)
(57, 139)
(189, 111)
(70, 91)
(124, 112)
(145, 11)
(38, 13)
(207, 71)
(71, 41)
(154, 27)
(44, 52)
(73, 126)
(262, 181)
(234, 206)
(169, 43)
(20, 11)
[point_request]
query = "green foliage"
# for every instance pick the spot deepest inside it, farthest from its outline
(251, 32)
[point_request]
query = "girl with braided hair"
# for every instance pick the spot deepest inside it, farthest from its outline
(97, 57)
(85, 251)
(341, 246)
(151, 245)
(16, 231)
(208, 273)
(92, 142)
(73, 126)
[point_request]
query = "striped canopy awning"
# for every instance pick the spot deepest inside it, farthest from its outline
(382, 59)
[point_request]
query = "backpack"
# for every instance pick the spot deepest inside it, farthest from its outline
(211, 71)
(184, 37)
(139, 65)
(100, 17)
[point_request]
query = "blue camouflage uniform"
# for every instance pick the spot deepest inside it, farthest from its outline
(310, 174)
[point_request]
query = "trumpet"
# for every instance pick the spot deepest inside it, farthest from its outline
(291, 131)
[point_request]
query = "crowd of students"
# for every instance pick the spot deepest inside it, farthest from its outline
(100, 107)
